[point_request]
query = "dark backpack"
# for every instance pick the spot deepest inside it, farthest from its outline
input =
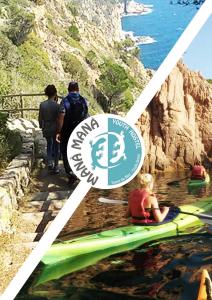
(76, 110)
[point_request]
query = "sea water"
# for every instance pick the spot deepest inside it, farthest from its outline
(164, 24)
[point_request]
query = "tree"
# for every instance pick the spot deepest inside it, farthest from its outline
(187, 2)
(113, 81)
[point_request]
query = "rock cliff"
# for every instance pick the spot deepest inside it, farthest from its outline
(59, 40)
(177, 125)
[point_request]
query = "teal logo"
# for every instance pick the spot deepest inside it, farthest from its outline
(106, 151)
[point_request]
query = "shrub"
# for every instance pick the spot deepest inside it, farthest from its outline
(74, 32)
(21, 25)
(5, 83)
(136, 52)
(10, 141)
(35, 66)
(74, 67)
(73, 7)
(127, 101)
(91, 58)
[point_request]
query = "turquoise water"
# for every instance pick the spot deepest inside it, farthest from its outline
(165, 24)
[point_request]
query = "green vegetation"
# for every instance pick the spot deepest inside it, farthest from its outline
(10, 142)
(113, 82)
(26, 66)
(209, 80)
(20, 22)
(73, 7)
(92, 59)
(127, 50)
(34, 64)
(74, 67)
(74, 32)
(126, 43)
(54, 28)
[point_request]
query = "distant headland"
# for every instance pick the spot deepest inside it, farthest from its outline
(136, 8)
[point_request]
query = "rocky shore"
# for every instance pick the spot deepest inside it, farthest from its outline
(177, 124)
(136, 8)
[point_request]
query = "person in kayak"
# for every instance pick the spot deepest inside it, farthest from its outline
(143, 205)
(198, 172)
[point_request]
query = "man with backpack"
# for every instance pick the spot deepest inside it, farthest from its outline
(73, 110)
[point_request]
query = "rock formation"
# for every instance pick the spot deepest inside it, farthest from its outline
(177, 125)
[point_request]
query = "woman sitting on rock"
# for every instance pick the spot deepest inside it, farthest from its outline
(143, 205)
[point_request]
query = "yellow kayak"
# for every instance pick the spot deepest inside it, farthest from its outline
(205, 289)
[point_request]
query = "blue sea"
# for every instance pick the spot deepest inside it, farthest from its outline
(164, 24)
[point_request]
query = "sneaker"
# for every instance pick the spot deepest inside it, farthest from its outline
(50, 167)
(56, 170)
(72, 179)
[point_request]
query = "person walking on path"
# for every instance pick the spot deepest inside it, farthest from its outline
(48, 115)
(73, 110)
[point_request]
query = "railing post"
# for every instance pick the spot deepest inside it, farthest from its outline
(22, 106)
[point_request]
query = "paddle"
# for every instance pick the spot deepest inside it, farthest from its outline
(202, 217)
(176, 182)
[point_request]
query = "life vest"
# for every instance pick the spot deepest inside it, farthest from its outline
(137, 207)
(197, 172)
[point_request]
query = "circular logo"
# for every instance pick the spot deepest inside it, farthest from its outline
(105, 151)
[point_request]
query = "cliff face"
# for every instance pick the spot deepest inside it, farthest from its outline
(99, 26)
(177, 125)
(55, 41)
(106, 15)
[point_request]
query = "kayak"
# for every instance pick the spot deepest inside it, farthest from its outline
(73, 255)
(127, 234)
(193, 183)
(205, 289)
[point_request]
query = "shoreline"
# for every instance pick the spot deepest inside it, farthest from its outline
(138, 40)
(135, 9)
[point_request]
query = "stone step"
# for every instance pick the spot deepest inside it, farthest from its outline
(26, 237)
(42, 206)
(34, 222)
(57, 195)
(20, 246)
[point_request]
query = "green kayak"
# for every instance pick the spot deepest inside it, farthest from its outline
(127, 234)
(70, 256)
(193, 183)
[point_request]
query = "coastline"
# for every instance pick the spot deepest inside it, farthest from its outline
(135, 9)
(138, 40)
